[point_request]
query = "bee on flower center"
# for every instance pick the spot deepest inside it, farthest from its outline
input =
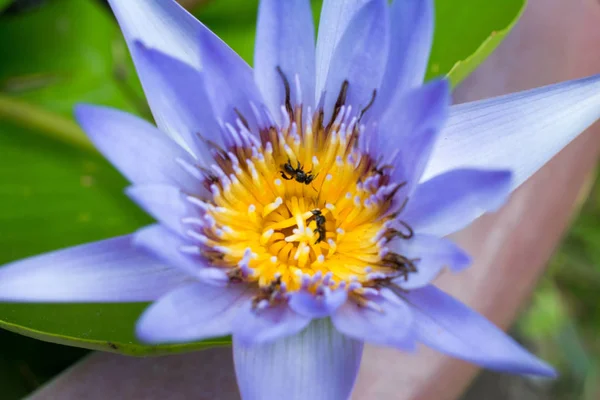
(296, 173)
(320, 220)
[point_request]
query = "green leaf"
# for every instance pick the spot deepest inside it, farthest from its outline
(466, 32)
(4, 4)
(53, 196)
(66, 52)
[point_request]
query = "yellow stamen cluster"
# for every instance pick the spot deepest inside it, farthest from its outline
(298, 205)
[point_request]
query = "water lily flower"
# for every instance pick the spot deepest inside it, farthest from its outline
(303, 206)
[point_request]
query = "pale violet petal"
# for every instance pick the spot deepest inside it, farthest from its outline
(229, 82)
(320, 305)
(445, 324)
(409, 129)
(163, 202)
(285, 38)
(411, 38)
(161, 24)
(359, 58)
(519, 131)
(192, 312)
(168, 247)
(430, 254)
(335, 16)
(176, 93)
(385, 321)
(140, 151)
(166, 26)
(111, 270)
(255, 325)
(466, 195)
(318, 363)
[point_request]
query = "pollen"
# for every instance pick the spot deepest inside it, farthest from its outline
(302, 203)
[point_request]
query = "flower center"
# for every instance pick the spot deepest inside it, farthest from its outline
(301, 203)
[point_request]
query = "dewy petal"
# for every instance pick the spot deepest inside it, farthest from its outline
(445, 324)
(519, 131)
(386, 321)
(359, 58)
(229, 81)
(285, 38)
(411, 39)
(192, 312)
(163, 202)
(319, 363)
(451, 201)
(179, 102)
(432, 254)
(111, 270)
(140, 151)
(414, 120)
(254, 326)
(166, 246)
(335, 16)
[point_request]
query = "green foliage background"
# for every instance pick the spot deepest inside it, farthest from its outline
(56, 191)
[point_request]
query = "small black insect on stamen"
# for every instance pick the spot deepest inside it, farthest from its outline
(288, 91)
(320, 220)
(297, 173)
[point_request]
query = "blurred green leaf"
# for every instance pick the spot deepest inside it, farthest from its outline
(66, 52)
(53, 196)
(4, 4)
(466, 32)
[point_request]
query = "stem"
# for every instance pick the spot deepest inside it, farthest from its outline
(48, 123)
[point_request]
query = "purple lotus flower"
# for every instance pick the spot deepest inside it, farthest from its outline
(303, 206)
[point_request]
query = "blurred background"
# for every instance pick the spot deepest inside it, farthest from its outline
(55, 191)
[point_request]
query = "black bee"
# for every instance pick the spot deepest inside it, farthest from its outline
(296, 173)
(320, 220)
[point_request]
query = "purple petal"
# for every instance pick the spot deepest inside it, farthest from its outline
(432, 254)
(445, 324)
(140, 151)
(285, 38)
(178, 99)
(111, 270)
(163, 202)
(519, 132)
(335, 17)
(317, 306)
(413, 119)
(359, 57)
(192, 312)
(386, 321)
(167, 246)
(253, 326)
(161, 24)
(467, 194)
(167, 27)
(411, 38)
(319, 363)
(229, 81)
